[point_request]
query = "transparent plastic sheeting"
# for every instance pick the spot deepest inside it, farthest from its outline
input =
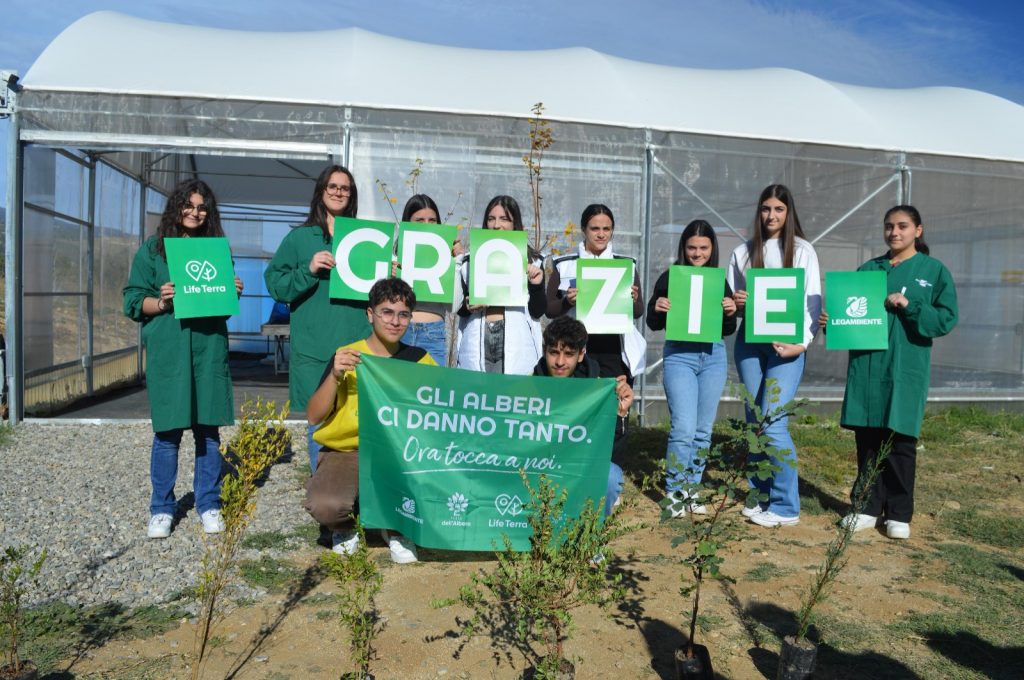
(972, 210)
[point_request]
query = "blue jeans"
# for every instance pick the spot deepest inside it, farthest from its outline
(694, 378)
(163, 469)
(312, 446)
(431, 337)
(756, 363)
(614, 488)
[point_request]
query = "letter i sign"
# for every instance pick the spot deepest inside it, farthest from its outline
(695, 314)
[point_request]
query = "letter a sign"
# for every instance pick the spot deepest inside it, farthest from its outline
(775, 305)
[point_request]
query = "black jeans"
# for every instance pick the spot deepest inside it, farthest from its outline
(892, 494)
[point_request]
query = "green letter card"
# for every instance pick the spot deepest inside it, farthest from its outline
(497, 268)
(775, 305)
(203, 277)
(425, 256)
(856, 310)
(604, 301)
(362, 253)
(696, 313)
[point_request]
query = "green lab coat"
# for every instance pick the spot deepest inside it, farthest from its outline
(888, 388)
(319, 325)
(187, 374)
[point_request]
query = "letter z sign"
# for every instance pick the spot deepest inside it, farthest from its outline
(604, 300)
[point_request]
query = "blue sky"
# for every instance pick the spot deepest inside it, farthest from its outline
(881, 43)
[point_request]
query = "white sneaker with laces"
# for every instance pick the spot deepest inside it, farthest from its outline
(750, 512)
(403, 551)
(767, 518)
(678, 506)
(213, 523)
(160, 525)
(894, 529)
(860, 522)
(344, 542)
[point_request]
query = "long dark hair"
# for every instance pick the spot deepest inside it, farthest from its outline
(170, 220)
(317, 211)
(418, 202)
(790, 229)
(593, 210)
(915, 217)
(512, 208)
(698, 228)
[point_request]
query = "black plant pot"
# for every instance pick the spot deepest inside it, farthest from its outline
(28, 671)
(566, 671)
(356, 675)
(796, 662)
(693, 662)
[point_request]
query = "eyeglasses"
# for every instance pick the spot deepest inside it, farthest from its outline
(200, 209)
(388, 315)
(338, 189)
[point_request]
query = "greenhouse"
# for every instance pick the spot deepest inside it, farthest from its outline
(98, 138)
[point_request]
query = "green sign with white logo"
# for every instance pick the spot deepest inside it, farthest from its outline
(203, 277)
(855, 303)
(775, 305)
(696, 295)
(362, 253)
(425, 260)
(497, 268)
(440, 449)
(604, 300)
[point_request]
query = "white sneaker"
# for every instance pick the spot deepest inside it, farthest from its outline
(767, 518)
(860, 522)
(213, 523)
(750, 512)
(894, 529)
(344, 542)
(678, 507)
(403, 551)
(160, 525)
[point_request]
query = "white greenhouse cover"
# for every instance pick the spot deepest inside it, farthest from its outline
(113, 53)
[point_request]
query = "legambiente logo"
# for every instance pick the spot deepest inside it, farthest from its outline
(408, 510)
(856, 309)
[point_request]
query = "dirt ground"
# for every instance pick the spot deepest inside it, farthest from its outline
(297, 635)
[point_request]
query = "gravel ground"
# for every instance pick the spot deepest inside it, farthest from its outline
(82, 492)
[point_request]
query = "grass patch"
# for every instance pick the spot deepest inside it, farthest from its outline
(266, 540)
(1001, 532)
(6, 434)
(273, 575)
(951, 424)
(765, 571)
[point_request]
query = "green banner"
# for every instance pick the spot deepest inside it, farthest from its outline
(497, 268)
(425, 257)
(362, 253)
(855, 303)
(203, 277)
(775, 305)
(604, 301)
(696, 313)
(440, 449)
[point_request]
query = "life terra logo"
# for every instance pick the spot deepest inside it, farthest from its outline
(408, 510)
(457, 505)
(508, 507)
(856, 307)
(200, 271)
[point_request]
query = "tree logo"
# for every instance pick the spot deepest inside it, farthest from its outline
(457, 504)
(200, 270)
(856, 307)
(509, 505)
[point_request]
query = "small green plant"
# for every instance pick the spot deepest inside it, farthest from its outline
(18, 577)
(260, 442)
(745, 453)
(530, 595)
(359, 580)
(541, 139)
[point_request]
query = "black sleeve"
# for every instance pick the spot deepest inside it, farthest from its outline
(728, 322)
(638, 304)
(463, 309)
(557, 305)
(538, 303)
(656, 320)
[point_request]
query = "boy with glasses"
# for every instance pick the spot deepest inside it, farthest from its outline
(333, 490)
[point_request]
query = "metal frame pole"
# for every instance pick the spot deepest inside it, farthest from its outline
(13, 270)
(90, 297)
(648, 184)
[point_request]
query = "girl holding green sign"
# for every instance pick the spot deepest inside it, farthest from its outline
(886, 389)
(778, 242)
(299, 274)
(694, 373)
(187, 376)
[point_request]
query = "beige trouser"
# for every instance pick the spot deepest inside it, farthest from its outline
(333, 491)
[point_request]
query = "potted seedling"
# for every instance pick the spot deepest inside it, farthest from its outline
(799, 654)
(709, 532)
(530, 595)
(359, 580)
(18, 577)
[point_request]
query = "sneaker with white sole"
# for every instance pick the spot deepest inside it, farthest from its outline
(160, 525)
(213, 523)
(860, 522)
(750, 512)
(403, 551)
(345, 542)
(767, 518)
(899, 530)
(678, 505)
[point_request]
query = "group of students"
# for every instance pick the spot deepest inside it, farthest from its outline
(189, 384)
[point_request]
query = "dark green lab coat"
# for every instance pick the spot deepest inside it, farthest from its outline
(319, 325)
(187, 374)
(888, 388)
